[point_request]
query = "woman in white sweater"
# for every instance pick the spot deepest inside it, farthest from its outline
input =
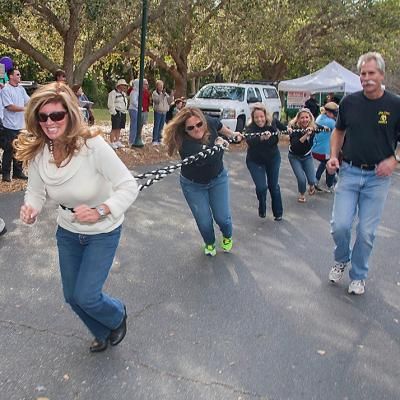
(77, 169)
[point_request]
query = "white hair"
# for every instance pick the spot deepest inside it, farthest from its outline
(372, 55)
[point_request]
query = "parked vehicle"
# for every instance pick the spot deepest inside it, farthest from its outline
(231, 102)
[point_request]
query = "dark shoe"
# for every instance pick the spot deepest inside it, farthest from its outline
(278, 218)
(261, 213)
(117, 335)
(98, 345)
(6, 178)
(21, 176)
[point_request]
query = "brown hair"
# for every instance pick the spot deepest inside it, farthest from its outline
(261, 107)
(32, 140)
(175, 130)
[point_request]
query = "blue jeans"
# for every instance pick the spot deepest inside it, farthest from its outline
(209, 201)
(363, 192)
(85, 261)
(133, 114)
(159, 121)
(264, 174)
(303, 168)
(330, 179)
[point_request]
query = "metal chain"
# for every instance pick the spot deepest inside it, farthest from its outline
(160, 173)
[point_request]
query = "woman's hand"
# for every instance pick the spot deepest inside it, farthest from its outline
(28, 214)
(237, 137)
(221, 142)
(84, 213)
(266, 136)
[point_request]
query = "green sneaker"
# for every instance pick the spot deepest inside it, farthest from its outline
(210, 250)
(227, 244)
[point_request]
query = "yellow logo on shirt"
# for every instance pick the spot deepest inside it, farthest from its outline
(383, 117)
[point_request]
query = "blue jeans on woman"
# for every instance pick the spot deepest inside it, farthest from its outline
(303, 168)
(268, 174)
(133, 114)
(209, 202)
(159, 121)
(85, 261)
(365, 192)
(330, 179)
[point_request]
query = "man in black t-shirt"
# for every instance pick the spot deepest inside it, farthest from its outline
(312, 105)
(370, 122)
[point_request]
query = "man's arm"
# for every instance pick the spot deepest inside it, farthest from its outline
(337, 140)
(14, 108)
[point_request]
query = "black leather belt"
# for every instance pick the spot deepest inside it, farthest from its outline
(67, 208)
(366, 167)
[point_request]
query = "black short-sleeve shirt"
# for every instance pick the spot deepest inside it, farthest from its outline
(371, 127)
(203, 170)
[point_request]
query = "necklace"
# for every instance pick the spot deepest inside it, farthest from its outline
(51, 149)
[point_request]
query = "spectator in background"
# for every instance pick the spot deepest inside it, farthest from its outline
(14, 99)
(175, 107)
(312, 105)
(161, 103)
(85, 103)
(59, 76)
(330, 97)
(133, 111)
(118, 107)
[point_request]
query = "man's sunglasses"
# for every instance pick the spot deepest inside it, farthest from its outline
(55, 116)
(191, 127)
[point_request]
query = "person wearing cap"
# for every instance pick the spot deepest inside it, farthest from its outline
(370, 122)
(321, 146)
(175, 107)
(312, 105)
(118, 107)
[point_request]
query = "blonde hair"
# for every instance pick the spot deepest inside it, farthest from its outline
(175, 132)
(261, 107)
(294, 121)
(32, 140)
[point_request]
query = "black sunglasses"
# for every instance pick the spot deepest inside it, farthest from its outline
(191, 127)
(54, 116)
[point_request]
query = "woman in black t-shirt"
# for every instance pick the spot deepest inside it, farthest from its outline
(264, 159)
(300, 157)
(205, 182)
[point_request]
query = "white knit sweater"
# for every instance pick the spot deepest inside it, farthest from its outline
(94, 176)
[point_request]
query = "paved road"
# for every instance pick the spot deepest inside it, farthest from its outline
(260, 323)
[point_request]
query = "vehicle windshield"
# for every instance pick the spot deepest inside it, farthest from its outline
(221, 92)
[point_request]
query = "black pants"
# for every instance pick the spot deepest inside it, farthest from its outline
(8, 154)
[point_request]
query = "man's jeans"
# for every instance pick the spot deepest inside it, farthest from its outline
(303, 168)
(85, 261)
(159, 121)
(209, 200)
(363, 192)
(329, 179)
(133, 114)
(268, 173)
(8, 154)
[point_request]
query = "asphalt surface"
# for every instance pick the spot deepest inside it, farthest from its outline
(260, 323)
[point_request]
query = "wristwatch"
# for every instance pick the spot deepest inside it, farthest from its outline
(102, 211)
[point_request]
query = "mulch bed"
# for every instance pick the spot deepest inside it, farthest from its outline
(132, 157)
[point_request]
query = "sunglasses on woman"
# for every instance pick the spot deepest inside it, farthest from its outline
(55, 116)
(191, 127)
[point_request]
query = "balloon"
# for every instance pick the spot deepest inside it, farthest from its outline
(7, 61)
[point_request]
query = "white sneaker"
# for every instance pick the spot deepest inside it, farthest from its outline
(357, 287)
(119, 144)
(114, 145)
(337, 271)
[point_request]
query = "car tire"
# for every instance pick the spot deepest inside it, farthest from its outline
(240, 124)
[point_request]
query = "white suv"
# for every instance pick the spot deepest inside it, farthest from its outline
(231, 102)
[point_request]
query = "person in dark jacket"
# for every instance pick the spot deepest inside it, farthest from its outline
(301, 140)
(264, 159)
(205, 182)
(312, 105)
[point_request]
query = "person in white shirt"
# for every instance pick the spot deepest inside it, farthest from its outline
(77, 169)
(118, 106)
(14, 99)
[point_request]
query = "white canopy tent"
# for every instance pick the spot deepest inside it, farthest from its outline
(332, 78)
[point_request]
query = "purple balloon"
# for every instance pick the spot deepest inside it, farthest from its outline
(7, 61)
